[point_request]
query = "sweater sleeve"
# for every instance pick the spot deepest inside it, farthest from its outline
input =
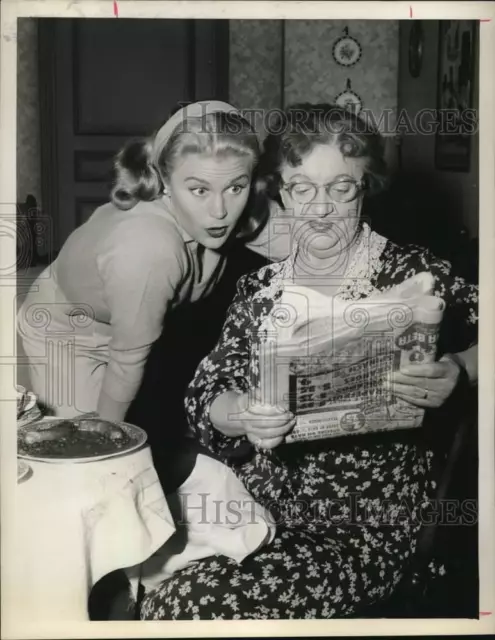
(141, 272)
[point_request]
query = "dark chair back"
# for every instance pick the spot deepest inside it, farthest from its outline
(449, 439)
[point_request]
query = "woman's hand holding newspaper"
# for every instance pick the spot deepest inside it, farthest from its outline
(265, 425)
(427, 385)
(243, 414)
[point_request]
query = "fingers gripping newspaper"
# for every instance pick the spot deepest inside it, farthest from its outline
(329, 360)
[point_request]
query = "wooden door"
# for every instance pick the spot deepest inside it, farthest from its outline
(103, 81)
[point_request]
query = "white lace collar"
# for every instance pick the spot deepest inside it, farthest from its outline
(357, 279)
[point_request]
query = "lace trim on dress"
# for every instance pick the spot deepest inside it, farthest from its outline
(357, 280)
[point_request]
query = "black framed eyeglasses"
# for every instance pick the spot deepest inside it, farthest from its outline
(341, 190)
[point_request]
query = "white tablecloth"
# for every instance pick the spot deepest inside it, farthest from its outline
(76, 523)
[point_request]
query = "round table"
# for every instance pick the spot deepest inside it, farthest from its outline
(77, 522)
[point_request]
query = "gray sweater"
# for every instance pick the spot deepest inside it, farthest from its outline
(131, 267)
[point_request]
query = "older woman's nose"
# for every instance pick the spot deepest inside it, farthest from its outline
(322, 205)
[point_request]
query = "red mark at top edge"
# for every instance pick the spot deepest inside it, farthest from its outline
(410, 12)
(486, 20)
(115, 9)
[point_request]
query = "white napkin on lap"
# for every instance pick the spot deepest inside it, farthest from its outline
(214, 515)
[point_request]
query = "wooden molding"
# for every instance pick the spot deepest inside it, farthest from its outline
(47, 60)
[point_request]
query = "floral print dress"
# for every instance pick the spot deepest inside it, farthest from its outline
(347, 509)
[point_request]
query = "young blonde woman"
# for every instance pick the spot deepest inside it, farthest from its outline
(91, 318)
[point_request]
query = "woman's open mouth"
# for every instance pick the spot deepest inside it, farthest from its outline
(217, 232)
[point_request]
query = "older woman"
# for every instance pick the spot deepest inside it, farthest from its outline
(334, 551)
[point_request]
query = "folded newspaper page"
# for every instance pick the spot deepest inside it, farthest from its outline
(328, 360)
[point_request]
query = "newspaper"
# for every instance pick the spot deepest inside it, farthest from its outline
(329, 361)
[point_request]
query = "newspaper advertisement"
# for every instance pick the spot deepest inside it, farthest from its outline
(329, 361)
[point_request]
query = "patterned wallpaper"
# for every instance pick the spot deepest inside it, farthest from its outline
(311, 73)
(255, 65)
(254, 76)
(28, 126)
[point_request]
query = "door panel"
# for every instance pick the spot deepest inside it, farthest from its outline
(104, 81)
(128, 76)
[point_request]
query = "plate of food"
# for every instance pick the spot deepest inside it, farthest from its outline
(77, 440)
(23, 470)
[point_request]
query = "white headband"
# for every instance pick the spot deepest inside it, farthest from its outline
(195, 110)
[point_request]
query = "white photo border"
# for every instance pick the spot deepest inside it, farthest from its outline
(11, 10)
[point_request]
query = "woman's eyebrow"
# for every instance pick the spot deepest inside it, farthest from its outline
(299, 175)
(193, 178)
(340, 176)
(241, 177)
(344, 176)
(205, 182)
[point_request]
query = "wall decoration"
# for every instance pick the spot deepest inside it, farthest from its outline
(456, 118)
(349, 99)
(311, 75)
(416, 44)
(347, 51)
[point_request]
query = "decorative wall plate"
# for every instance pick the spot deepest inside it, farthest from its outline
(349, 99)
(347, 50)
